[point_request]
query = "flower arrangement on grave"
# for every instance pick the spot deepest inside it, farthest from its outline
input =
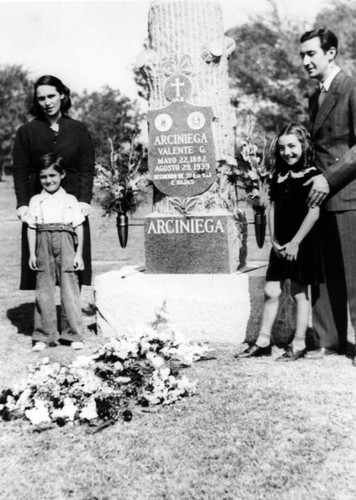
(248, 178)
(255, 174)
(121, 186)
(256, 178)
(138, 369)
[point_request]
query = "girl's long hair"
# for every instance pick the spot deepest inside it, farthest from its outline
(66, 102)
(297, 129)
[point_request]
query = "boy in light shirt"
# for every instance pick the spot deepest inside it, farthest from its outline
(55, 236)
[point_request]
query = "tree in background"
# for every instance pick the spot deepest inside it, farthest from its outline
(268, 82)
(15, 92)
(269, 85)
(108, 115)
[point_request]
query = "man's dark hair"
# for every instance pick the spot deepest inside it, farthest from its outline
(327, 38)
(51, 160)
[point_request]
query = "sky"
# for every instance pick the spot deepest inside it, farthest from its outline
(89, 44)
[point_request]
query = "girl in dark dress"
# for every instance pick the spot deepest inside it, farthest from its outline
(53, 131)
(294, 253)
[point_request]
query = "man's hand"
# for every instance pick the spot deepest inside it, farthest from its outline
(318, 192)
(23, 212)
(85, 208)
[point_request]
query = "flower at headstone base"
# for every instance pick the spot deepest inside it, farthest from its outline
(141, 369)
(24, 401)
(157, 361)
(89, 411)
(39, 414)
(69, 409)
(184, 384)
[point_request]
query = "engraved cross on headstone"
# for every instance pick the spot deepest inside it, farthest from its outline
(177, 84)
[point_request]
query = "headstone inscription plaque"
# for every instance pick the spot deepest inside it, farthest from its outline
(181, 155)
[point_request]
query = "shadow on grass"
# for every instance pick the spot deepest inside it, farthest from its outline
(22, 317)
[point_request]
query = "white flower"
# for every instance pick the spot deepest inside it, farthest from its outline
(39, 414)
(83, 362)
(132, 184)
(157, 361)
(122, 380)
(230, 160)
(10, 403)
(24, 400)
(253, 175)
(164, 372)
(69, 409)
(89, 411)
(184, 383)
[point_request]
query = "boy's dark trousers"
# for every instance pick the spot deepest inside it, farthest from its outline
(55, 257)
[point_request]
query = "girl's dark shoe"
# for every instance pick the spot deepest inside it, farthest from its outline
(291, 355)
(254, 351)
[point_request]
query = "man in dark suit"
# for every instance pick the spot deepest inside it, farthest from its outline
(333, 129)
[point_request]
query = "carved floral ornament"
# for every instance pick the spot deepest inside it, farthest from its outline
(211, 51)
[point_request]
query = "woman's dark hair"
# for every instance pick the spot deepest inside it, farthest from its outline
(66, 102)
(303, 136)
(51, 160)
(327, 38)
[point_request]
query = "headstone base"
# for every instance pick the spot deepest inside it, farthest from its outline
(207, 308)
(200, 243)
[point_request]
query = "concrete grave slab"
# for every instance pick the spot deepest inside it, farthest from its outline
(204, 307)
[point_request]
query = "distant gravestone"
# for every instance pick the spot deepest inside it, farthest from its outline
(191, 229)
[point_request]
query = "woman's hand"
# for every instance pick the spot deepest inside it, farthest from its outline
(291, 250)
(23, 213)
(78, 263)
(278, 249)
(33, 262)
(85, 208)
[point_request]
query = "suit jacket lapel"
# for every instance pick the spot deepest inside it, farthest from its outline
(329, 102)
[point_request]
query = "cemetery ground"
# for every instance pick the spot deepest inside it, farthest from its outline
(254, 429)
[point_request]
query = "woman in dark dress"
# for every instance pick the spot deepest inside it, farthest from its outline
(53, 131)
(295, 253)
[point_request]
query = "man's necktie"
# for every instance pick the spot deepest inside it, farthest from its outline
(321, 96)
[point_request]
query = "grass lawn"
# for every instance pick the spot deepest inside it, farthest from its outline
(256, 429)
